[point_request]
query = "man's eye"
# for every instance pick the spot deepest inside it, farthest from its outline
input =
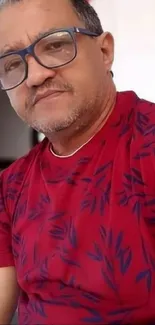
(10, 66)
(55, 46)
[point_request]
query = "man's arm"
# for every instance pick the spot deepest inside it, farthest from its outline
(9, 293)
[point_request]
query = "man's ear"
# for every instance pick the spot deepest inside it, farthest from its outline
(106, 43)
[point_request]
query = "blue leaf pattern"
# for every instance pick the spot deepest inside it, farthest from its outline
(81, 230)
(147, 276)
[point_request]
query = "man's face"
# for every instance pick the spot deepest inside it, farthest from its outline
(82, 83)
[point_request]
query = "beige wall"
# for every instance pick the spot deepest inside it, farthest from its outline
(133, 26)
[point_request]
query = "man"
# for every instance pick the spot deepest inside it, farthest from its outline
(77, 234)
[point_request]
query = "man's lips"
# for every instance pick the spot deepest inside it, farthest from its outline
(51, 93)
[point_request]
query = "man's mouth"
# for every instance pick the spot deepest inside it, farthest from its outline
(50, 93)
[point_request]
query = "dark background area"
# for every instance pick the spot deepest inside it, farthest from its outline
(16, 138)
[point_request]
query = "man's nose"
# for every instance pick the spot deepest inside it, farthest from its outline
(37, 74)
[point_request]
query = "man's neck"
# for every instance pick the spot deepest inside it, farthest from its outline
(67, 144)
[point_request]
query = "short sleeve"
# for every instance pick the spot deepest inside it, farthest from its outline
(6, 255)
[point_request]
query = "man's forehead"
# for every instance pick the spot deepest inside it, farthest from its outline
(56, 9)
(31, 19)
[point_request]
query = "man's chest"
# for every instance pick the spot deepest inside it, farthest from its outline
(89, 225)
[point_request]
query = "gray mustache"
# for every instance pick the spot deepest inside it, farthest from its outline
(48, 85)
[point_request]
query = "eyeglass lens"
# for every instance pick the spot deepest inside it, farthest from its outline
(51, 51)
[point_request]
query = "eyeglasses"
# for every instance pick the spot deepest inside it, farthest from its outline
(51, 51)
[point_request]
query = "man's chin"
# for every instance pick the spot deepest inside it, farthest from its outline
(53, 127)
(53, 118)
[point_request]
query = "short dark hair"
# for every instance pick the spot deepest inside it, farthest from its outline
(88, 15)
(84, 11)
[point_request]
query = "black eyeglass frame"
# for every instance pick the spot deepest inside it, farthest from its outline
(30, 50)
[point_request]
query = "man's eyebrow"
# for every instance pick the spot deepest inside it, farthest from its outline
(42, 34)
(20, 45)
(11, 48)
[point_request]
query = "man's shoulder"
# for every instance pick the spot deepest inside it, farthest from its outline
(140, 112)
(140, 119)
(144, 118)
(21, 166)
(138, 103)
(145, 107)
(16, 177)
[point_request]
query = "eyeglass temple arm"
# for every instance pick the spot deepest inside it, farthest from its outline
(85, 31)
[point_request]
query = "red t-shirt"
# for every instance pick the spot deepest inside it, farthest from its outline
(81, 230)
